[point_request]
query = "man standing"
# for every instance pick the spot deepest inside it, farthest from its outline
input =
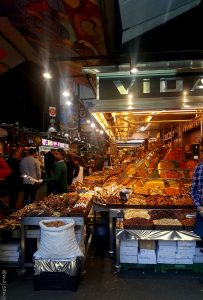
(59, 178)
(31, 172)
(13, 179)
(197, 196)
(49, 165)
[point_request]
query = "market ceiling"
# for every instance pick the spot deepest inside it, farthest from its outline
(70, 36)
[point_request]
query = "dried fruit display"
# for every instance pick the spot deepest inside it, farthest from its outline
(136, 213)
(162, 214)
(137, 223)
(54, 223)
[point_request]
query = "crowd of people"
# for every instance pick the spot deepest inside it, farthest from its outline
(27, 171)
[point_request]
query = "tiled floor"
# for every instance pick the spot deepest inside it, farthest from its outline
(100, 282)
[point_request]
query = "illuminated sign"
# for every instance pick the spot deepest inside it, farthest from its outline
(54, 144)
(111, 88)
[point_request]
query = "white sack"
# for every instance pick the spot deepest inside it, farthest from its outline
(58, 242)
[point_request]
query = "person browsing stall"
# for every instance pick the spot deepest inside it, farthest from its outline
(4, 168)
(59, 177)
(197, 196)
(31, 173)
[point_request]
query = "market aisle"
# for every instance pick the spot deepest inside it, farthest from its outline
(100, 283)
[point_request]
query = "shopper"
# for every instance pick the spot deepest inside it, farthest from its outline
(31, 173)
(197, 196)
(70, 164)
(4, 168)
(78, 170)
(49, 165)
(14, 180)
(59, 178)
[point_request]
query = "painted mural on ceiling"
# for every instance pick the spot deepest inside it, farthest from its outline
(58, 29)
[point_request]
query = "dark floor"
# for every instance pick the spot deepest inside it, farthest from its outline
(101, 282)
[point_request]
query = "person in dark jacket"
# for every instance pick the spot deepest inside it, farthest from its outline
(49, 165)
(13, 179)
(70, 164)
(59, 178)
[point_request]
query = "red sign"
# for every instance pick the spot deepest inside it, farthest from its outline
(52, 111)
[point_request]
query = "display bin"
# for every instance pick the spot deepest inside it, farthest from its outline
(57, 274)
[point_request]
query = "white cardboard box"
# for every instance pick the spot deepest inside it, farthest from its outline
(184, 256)
(166, 250)
(198, 259)
(166, 260)
(187, 252)
(147, 252)
(129, 250)
(147, 260)
(166, 255)
(185, 261)
(129, 243)
(167, 244)
(188, 244)
(197, 251)
(128, 259)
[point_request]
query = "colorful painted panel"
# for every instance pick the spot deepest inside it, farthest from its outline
(58, 28)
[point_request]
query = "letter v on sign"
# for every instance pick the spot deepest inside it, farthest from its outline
(120, 87)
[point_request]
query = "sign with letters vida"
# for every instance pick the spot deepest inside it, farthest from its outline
(149, 86)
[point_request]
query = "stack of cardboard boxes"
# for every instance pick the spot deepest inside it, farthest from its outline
(161, 252)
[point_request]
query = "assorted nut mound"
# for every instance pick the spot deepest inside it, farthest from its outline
(138, 223)
(136, 213)
(162, 214)
(54, 224)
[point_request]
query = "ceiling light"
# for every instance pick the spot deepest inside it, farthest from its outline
(92, 125)
(47, 75)
(66, 94)
(101, 132)
(68, 102)
(133, 70)
(88, 121)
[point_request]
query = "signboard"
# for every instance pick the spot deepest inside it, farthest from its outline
(52, 111)
(150, 86)
(54, 144)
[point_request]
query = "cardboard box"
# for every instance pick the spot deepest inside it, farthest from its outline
(170, 261)
(187, 252)
(129, 250)
(147, 252)
(198, 259)
(15, 246)
(128, 259)
(184, 256)
(188, 244)
(198, 251)
(147, 260)
(143, 244)
(184, 261)
(165, 250)
(129, 243)
(167, 244)
(166, 254)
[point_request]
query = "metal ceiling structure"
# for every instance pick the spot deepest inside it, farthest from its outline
(83, 40)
